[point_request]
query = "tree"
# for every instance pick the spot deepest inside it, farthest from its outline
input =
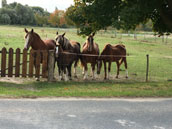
(5, 19)
(93, 15)
(4, 3)
(57, 18)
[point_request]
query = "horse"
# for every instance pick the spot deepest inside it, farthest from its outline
(34, 41)
(64, 61)
(92, 49)
(112, 53)
(72, 47)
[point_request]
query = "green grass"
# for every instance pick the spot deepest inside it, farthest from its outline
(85, 89)
(160, 72)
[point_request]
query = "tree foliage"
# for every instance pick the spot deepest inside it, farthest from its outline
(92, 15)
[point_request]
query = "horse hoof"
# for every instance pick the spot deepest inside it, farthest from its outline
(126, 77)
(37, 79)
(116, 77)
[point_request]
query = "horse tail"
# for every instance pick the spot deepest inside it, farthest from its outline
(124, 59)
(78, 55)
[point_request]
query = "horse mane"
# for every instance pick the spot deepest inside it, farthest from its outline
(35, 34)
(66, 44)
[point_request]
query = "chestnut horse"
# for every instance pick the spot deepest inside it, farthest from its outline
(92, 49)
(34, 41)
(72, 47)
(112, 53)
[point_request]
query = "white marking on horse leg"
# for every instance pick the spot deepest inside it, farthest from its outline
(66, 77)
(85, 75)
(126, 71)
(83, 71)
(74, 72)
(60, 76)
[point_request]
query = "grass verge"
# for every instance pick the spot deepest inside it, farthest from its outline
(85, 89)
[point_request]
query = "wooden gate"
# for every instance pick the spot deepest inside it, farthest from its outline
(21, 63)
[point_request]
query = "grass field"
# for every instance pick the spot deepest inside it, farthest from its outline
(160, 73)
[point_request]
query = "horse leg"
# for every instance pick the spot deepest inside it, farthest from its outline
(69, 71)
(60, 71)
(105, 70)
(65, 74)
(93, 68)
(85, 72)
(37, 78)
(117, 63)
(109, 68)
(125, 63)
(75, 65)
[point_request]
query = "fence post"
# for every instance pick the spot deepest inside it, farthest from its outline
(147, 68)
(51, 60)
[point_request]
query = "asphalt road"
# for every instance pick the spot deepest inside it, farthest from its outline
(74, 113)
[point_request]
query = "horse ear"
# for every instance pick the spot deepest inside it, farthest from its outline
(57, 33)
(63, 34)
(25, 30)
(32, 31)
(93, 34)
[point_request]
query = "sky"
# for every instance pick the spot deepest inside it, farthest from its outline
(46, 4)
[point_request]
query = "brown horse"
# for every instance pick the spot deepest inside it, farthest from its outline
(72, 47)
(112, 53)
(34, 41)
(92, 49)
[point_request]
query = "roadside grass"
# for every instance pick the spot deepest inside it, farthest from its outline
(160, 72)
(85, 89)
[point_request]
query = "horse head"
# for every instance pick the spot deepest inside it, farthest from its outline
(28, 38)
(90, 42)
(60, 39)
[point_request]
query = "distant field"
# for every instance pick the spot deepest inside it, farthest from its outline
(160, 57)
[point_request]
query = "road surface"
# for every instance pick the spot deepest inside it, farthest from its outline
(73, 113)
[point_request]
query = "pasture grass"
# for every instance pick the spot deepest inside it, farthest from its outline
(160, 71)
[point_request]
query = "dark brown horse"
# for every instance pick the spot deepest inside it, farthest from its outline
(72, 47)
(34, 41)
(64, 61)
(90, 55)
(112, 53)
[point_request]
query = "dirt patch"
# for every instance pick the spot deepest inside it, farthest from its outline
(15, 80)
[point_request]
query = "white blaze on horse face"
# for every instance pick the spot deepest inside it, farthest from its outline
(27, 42)
(57, 50)
(57, 41)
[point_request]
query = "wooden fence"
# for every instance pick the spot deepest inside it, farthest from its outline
(21, 63)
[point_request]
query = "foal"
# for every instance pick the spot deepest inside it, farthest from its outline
(69, 46)
(92, 49)
(64, 61)
(112, 53)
